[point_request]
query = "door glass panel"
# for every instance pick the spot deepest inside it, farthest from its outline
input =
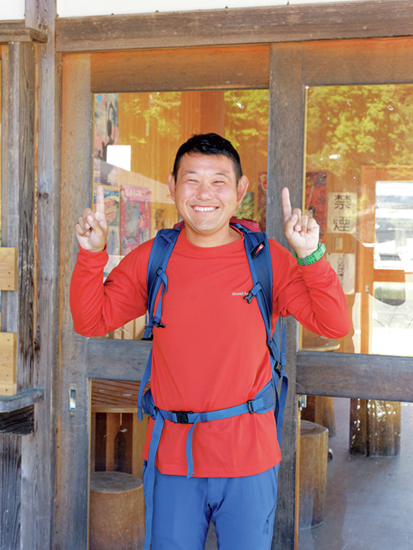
(136, 137)
(359, 187)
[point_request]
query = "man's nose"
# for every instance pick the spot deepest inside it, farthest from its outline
(204, 191)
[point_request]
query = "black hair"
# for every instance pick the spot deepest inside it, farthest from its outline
(208, 144)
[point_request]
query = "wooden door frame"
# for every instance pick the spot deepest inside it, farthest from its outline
(292, 67)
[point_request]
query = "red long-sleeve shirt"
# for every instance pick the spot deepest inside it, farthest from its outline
(212, 353)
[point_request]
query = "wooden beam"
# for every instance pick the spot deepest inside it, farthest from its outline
(291, 23)
(8, 268)
(103, 359)
(193, 69)
(361, 376)
(355, 62)
(38, 15)
(39, 451)
(21, 400)
(16, 31)
(285, 162)
(20, 422)
(76, 189)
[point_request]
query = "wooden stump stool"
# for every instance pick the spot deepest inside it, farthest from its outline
(313, 474)
(117, 512)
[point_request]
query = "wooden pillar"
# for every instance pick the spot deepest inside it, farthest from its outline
(18, 168)
(375, 427)
(76, 189)
(285, 168)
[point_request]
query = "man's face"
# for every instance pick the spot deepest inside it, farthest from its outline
(206, 195)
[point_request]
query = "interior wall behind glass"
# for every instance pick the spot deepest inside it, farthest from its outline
(136, 137)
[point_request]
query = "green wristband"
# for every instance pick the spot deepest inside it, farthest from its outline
(314, 257)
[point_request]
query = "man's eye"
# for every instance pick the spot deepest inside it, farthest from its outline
(219, 182)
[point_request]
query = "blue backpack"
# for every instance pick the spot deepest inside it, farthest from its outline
(259, 260)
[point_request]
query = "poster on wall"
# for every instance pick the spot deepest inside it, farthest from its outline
(106, 133)
(262, 200)
(112, 211)
(341, 214)
(135, 211)
(315, 199)
(246, 208)
(345, 267)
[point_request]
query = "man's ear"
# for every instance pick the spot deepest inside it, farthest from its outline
(242, 188)
(170, 180)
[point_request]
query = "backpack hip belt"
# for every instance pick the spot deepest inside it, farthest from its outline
(262, 403)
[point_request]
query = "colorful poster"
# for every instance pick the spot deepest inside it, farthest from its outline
(246, 208)
(342, 210)
(112, 212)
(262, 200)
(106, 123)
(106, 133)
(315, 199)
(345, 267)
(135, 217)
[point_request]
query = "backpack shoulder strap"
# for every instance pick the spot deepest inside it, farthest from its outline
(259, 259)
(161, 251)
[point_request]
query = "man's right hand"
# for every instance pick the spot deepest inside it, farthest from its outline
(92, 227)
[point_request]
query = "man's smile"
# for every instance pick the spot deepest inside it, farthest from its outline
(204, 208)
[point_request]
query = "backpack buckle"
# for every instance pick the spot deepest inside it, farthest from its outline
(182, 416)
(278, 368)
(250, 407)
(158, 324)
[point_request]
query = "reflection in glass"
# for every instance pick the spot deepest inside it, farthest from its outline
(359, 187)
(117, 436)
(136, 137)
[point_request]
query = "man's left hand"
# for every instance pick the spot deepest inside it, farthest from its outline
(302, 232)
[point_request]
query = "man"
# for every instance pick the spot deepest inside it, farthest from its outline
(212, 353)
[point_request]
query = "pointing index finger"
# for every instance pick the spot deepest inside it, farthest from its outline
(100, 201)
(285, 199)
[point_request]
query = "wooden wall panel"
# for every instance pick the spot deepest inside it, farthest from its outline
(17, 309)
(10, 491)
(285, 168)
(191, 69)
(73, 442)
(288, 23)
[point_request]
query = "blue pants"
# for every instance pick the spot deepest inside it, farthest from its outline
(242, 510)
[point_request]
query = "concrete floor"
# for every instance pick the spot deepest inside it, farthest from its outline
(369, 500)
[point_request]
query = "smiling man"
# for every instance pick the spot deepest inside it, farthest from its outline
(211, 354)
